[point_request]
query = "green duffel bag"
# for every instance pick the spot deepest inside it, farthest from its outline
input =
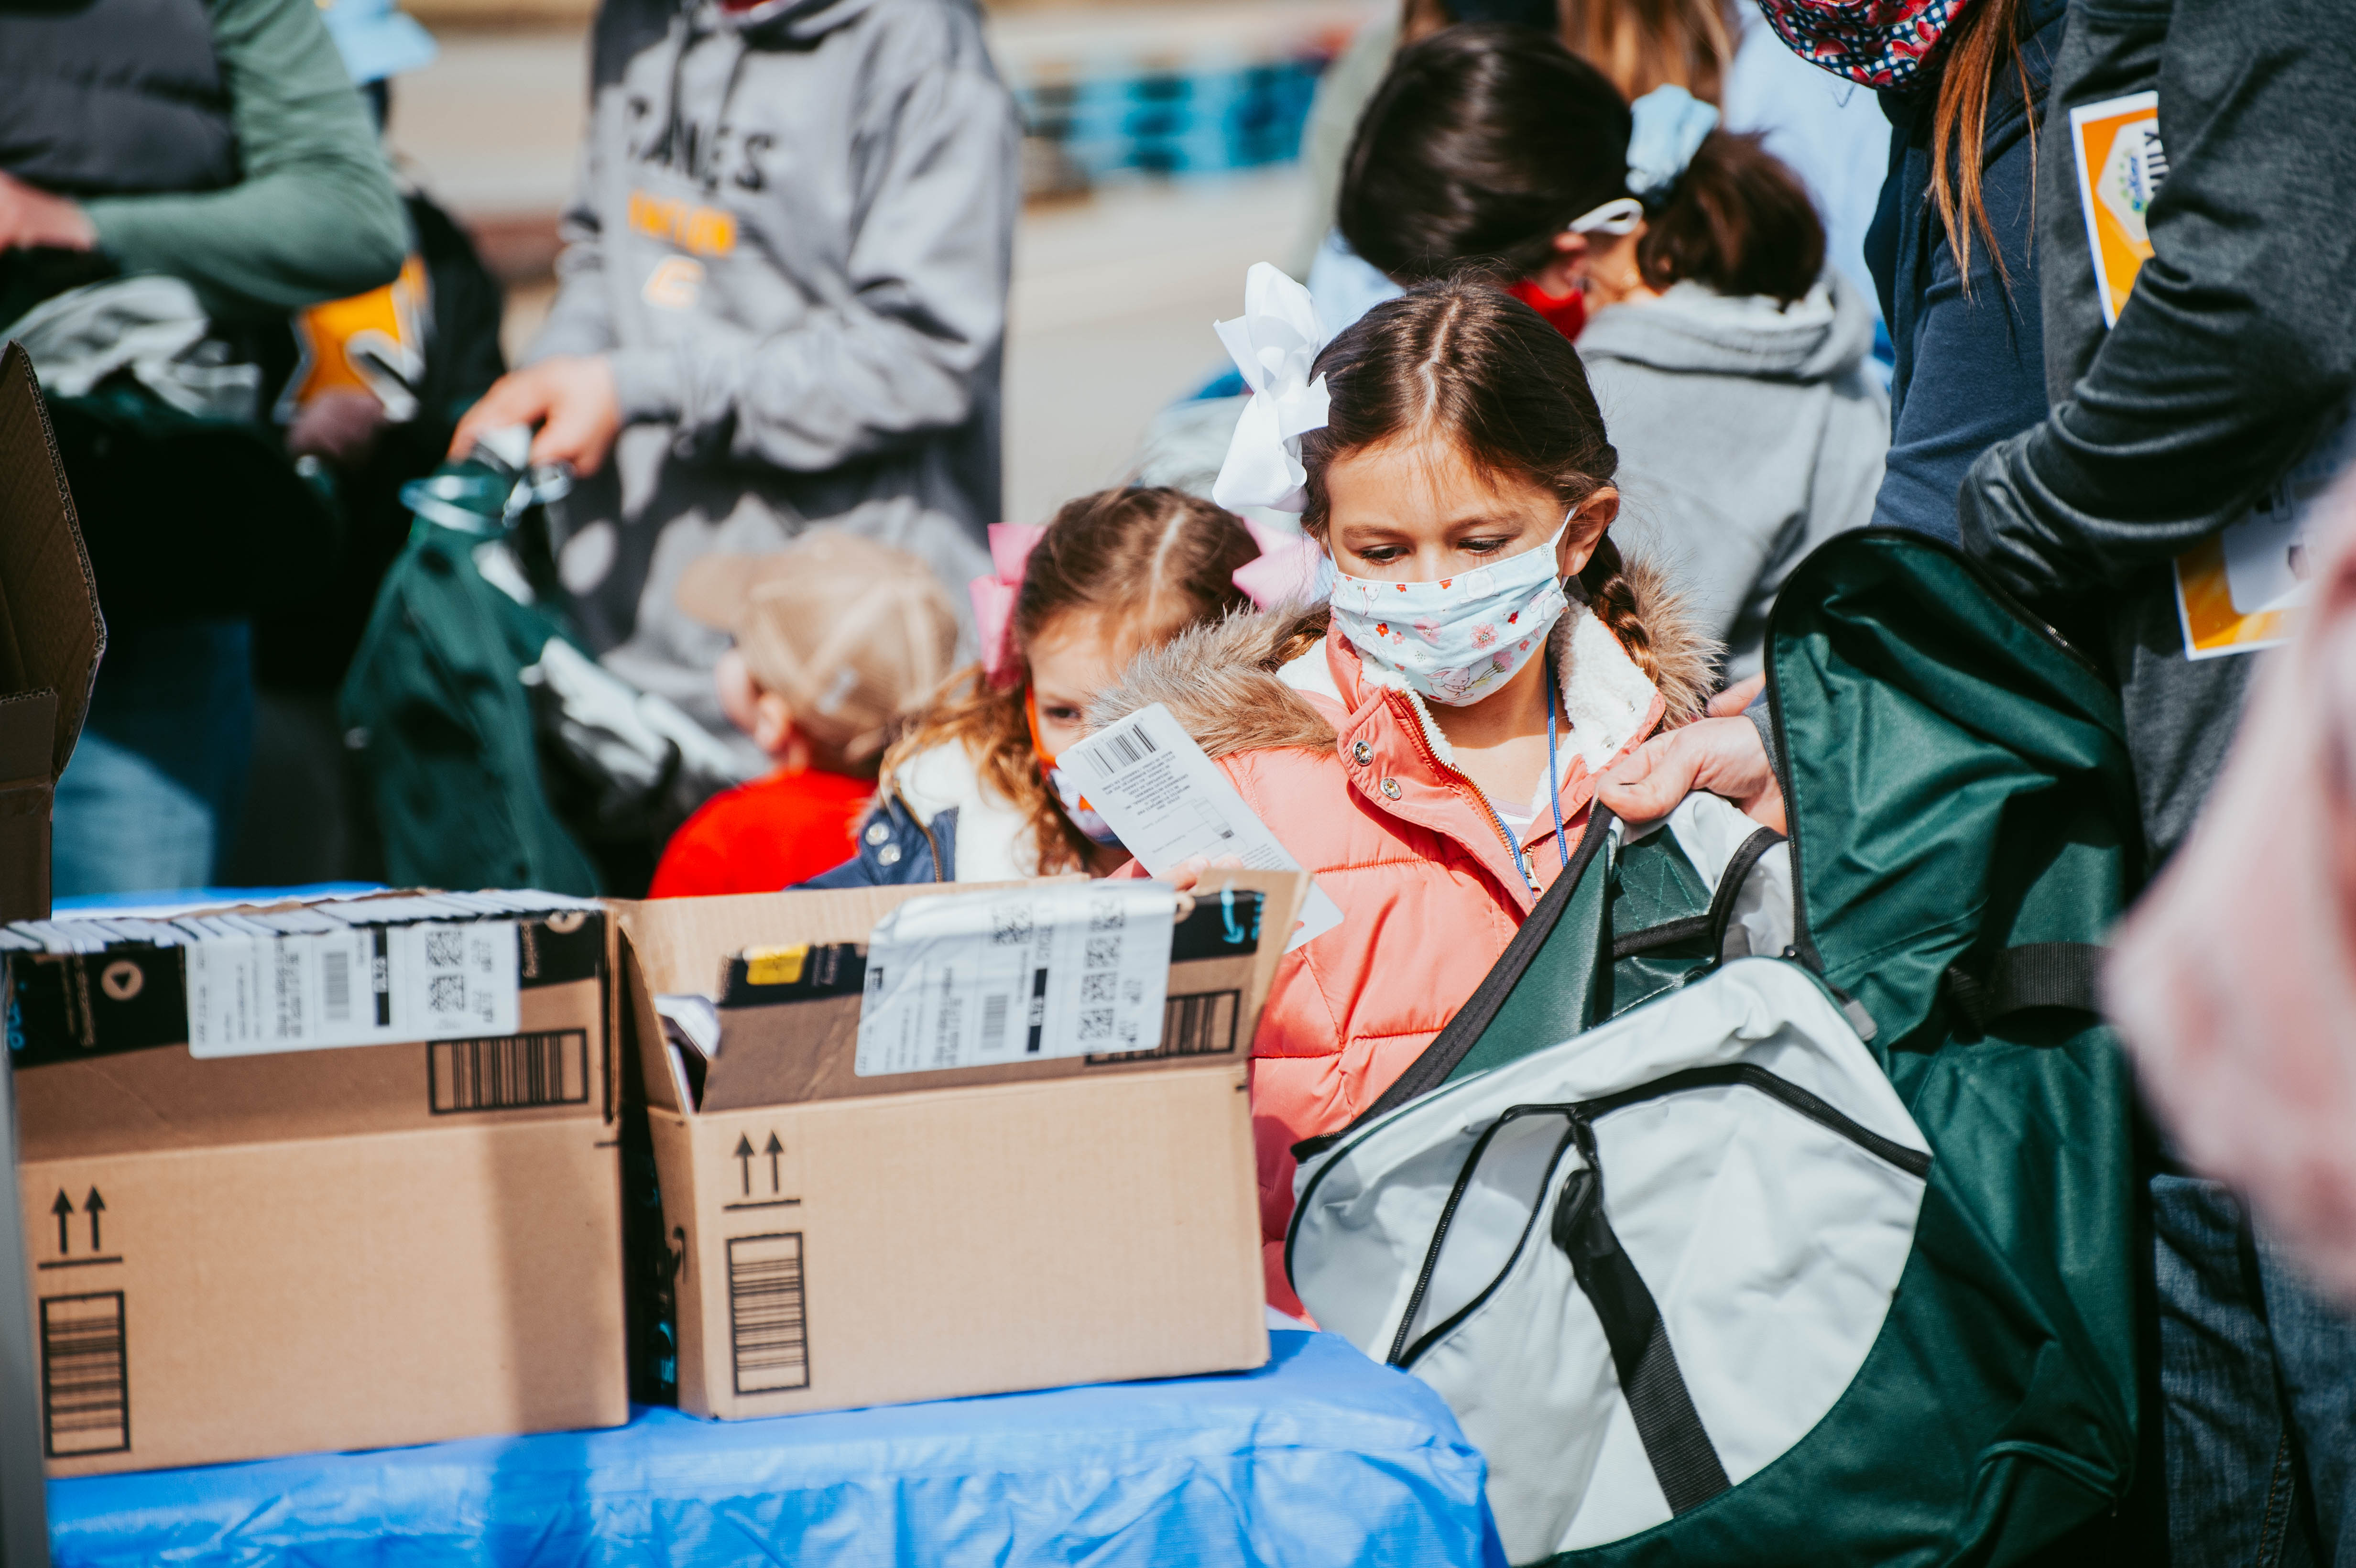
(1773, 1202)
(436, 706)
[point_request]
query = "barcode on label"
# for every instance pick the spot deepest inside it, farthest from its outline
(336, 983)
(1123, 749)
(768, 1332)
(1199, 1025)
(508, 1072)
(85, 1376)
(994, 1011)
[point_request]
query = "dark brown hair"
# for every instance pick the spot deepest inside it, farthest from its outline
(1460, 359)
(1486, 141)
(1975, 51)
(1144, 562)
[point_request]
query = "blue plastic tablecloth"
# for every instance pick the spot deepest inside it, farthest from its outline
(1321, 1456)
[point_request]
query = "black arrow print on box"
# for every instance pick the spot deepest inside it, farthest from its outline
(63, 1208)
(773, 1150)
(94, 1207)
(744, 1160)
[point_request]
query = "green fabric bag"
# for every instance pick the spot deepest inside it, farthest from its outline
(1963, 837)
(443, 726)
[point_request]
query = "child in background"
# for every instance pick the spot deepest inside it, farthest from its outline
(836, 638)
(1688, 263)
(972, 793)
(1427, 743)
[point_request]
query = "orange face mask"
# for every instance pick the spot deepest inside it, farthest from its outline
(1067, 794)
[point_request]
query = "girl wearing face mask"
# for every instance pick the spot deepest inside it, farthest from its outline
(971, 792)
(1426, 740)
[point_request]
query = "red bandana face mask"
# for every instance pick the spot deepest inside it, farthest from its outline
(1566, 313)
(1878, 43)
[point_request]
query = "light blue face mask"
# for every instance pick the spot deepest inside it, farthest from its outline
(1457, 640)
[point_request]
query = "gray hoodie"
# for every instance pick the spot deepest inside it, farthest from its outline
(1748, 433)
(792, 237)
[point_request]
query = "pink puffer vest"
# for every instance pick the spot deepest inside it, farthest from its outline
(1356, 782)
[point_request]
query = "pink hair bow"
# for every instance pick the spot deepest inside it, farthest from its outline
(1286, 570)
(993, 596)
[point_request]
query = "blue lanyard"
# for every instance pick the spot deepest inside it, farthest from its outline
(1554, 777)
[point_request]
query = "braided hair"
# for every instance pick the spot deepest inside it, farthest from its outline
(1460, 357)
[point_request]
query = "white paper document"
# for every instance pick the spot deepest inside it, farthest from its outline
(377, 985)
(1169, 802)
(1018, 974)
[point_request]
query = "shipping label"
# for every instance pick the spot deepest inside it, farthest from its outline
(1152, 785)
(359, 985)
(973, 979)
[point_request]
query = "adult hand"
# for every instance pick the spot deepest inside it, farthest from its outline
(30, 218)
(1722, 755)
(570, 397)
(1727, 704)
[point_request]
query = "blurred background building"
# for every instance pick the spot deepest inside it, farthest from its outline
(1158, 162)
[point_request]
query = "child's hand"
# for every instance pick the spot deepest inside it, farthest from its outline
(1187, 874)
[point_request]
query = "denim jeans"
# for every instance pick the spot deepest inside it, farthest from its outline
(2258, 1374)
(151, 798)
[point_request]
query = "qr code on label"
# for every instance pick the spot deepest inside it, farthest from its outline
(1099, 987)
(1010, 925)
(447, 994)
(1096, 1024)
(446, 949)
(1104, 951)
(1106, 914)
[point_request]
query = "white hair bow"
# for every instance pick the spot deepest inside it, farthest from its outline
(1273, 343)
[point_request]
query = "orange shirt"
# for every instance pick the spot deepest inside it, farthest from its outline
(765, 836)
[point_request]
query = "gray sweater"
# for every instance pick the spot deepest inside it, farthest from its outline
(793, 243)
(1748, 433)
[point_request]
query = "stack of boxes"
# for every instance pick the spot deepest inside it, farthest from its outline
(346, 1173)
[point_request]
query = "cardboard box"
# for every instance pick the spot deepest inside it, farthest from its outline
(50, 636)
(239, 1256)
(845, 1241)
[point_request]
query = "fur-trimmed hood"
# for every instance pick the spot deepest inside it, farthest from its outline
(1243, 684)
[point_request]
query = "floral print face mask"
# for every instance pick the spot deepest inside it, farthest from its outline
(1457, 640)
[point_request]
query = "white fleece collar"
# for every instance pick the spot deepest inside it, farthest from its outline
(1605, 694)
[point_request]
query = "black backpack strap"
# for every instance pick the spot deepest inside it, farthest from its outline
(2034, 975)
(1685, 1462)
(1739, 866)
(1712, 922)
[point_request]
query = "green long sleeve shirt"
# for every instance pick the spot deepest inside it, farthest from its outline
(314, 215)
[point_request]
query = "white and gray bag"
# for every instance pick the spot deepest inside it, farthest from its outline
(1641, 1264)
